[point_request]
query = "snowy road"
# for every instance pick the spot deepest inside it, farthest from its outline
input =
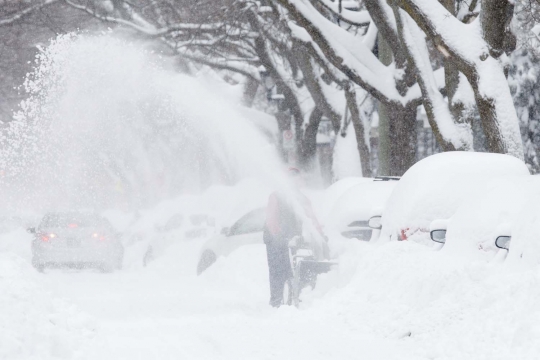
(397, 300)
(166, 312)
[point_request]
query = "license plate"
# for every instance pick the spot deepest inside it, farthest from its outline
(73, 242)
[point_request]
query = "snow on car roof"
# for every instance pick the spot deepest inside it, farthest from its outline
(333, 193)
(359, 202)
(435, 187)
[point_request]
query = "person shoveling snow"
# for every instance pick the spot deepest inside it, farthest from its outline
(290, 216)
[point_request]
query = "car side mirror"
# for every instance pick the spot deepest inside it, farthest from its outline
(439, 236)
(503, 242)
(225, 231)
(31, 230)
(375, 222)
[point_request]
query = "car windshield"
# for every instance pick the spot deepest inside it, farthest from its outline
(73, 220)
(249, 223)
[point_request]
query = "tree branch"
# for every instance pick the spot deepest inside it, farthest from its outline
(21, 14)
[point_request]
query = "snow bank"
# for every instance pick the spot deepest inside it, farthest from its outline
(17, 241)
(33, 325)
(437, 306)
(434, 188)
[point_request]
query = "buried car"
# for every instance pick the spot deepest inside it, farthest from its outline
(435, 187)
(486, 222)
(351, 214)
(246, 230)
(76, 239)
(521, 238)
(177, 228)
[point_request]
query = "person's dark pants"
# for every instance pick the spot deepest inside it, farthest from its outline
(279, 269)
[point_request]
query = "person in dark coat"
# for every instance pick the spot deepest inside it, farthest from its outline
(283, 223)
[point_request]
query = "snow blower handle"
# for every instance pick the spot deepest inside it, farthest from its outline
(296, 242)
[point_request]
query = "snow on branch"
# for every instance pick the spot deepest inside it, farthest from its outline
(27, 11)
(355, 18)
(451, 135)
(346, 52)
(476, 49)
(234, 65)
(447, 30)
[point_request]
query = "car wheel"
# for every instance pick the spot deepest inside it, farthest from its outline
(208, 257)
(148, 256)
(107, 268)
(37, 265)
(119, 263)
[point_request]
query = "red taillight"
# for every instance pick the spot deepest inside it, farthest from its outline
(98, 236)
(47, 237)
(73, 226)
(404, 233)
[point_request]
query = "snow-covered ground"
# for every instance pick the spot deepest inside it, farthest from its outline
(394, 300)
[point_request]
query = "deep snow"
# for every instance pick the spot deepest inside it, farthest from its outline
(397, 300)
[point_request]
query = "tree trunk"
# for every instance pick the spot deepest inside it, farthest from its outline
(309, 142)
(385, 56)
(363, 148)
(250, 90)
(403, 137)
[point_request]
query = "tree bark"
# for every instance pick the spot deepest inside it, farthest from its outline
(309, 142)
(250, 90)
(384, 150)
(363, 148)
(403, 137)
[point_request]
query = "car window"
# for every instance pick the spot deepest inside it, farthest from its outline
(252, 222)
(74, 220)
(174, 222)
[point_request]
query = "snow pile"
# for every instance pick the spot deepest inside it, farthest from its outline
(17, 241)
(32, 324)
(435, 187)
(436, 305)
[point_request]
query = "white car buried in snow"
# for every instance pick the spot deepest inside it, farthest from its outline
(247, 230)
(351, 213)
(487, 221)
(76, 239)
(435, 187)
(178, 228)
